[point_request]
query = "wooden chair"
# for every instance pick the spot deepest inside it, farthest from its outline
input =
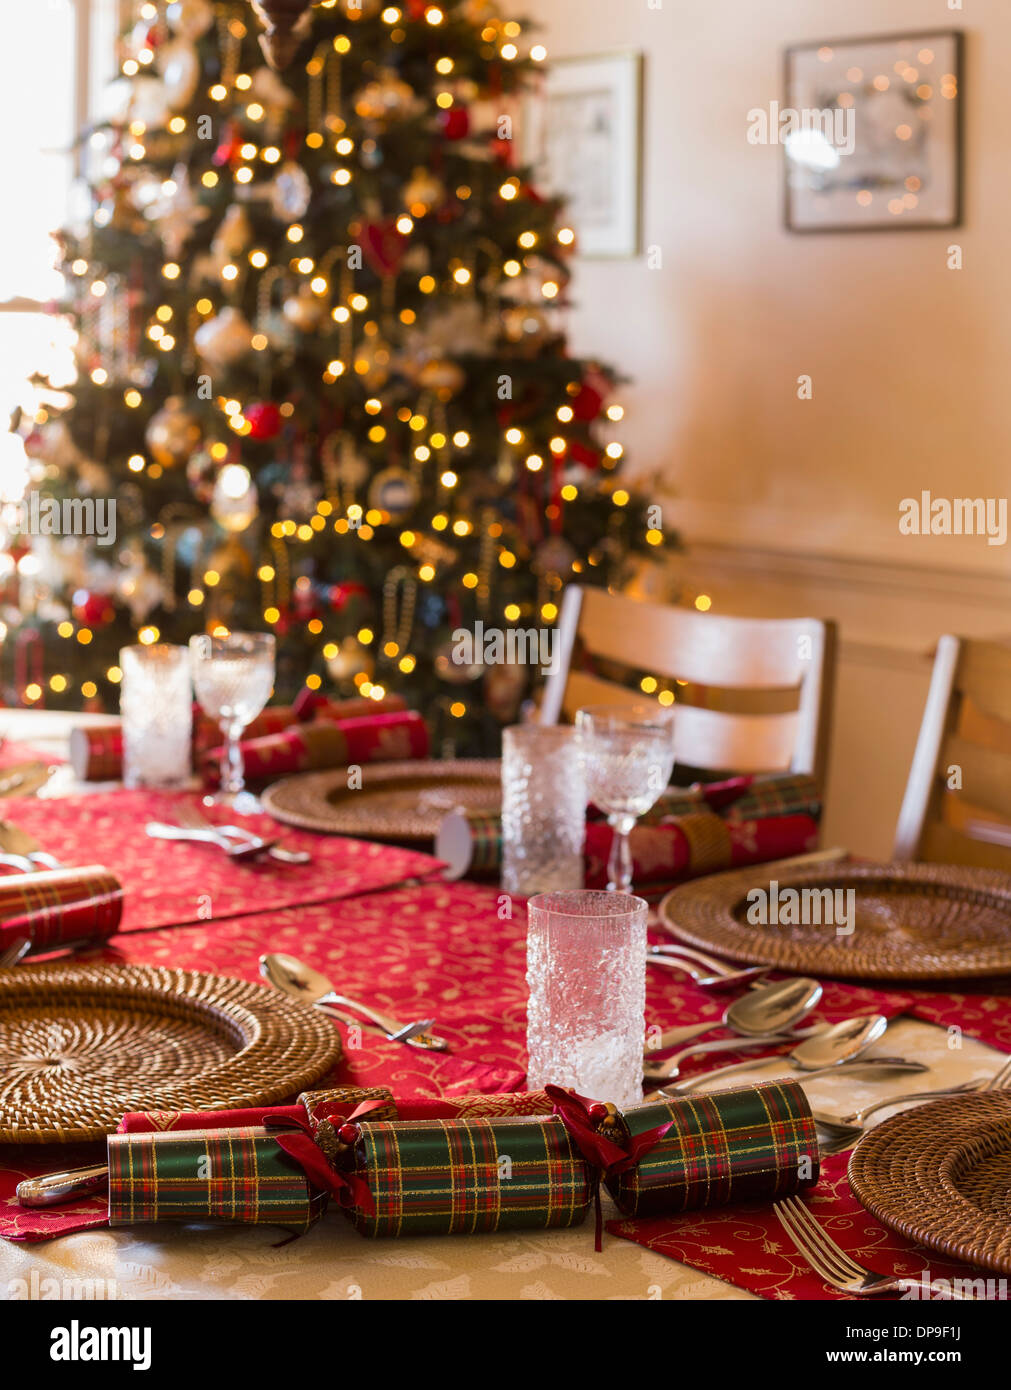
(957, 806)
(775, 677)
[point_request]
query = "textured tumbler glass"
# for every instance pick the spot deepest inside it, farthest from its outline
(543, 809)
(586, 971)
(156, 702)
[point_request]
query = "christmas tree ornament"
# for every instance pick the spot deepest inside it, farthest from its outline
(443, 377)
(450, 666)
(504, 686)
(387, 98)
(286, 24)
(291, 192)
(224, 339)
(527, 324)
(264, 419)
(372, 362)
(201, 474)
(272, 93)
(395, 492)
(455, 123)
(351, 659)
(423, 192)
(177, 212)
(382, 246)
(142, 592)
(234, 502)
(400, 597)
(304, 310)
(173, 433)
(298, 495)
(190, 19)
(234, 235)
(179, 70)
(92, 609)
(554, 556)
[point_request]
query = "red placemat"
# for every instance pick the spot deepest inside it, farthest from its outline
(170, 883)
(746, 1246)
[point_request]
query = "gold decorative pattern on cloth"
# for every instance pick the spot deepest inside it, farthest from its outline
(708, 840)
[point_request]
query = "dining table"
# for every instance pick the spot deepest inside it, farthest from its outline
(383, 923)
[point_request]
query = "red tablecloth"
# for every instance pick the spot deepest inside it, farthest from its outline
(445, 950)
(170, 883)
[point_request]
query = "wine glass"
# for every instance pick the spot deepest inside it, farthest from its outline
(628, 753)
(233, 676)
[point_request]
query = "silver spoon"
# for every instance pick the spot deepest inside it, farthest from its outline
(827, 1049)
(300, 981)
(705, 978)
(768, 1009)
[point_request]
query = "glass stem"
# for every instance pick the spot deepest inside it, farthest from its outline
(233, 769)
(619, 864)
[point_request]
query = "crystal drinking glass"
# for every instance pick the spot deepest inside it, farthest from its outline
(628, 753)
(586, 971)
(156, 702)
(543, 809)
(233, 677)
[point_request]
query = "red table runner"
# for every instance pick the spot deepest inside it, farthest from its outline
(444, 949)
(170, 883)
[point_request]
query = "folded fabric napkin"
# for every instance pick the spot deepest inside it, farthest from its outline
(58, 906)
(96, 751)
(327, 743)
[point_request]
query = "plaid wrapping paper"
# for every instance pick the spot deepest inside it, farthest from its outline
(741, 798)
(327, 743)
(59, 906)
(459, 1177)
(758, 1142)
(235, 1175)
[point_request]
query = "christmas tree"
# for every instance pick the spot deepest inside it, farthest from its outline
(321, 367)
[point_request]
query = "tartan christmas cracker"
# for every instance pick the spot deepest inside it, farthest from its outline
(718, 1149)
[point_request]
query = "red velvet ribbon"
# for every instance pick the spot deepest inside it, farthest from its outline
(604, 1156)
(349, 1189)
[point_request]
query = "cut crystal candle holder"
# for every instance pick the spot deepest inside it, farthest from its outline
(586, 971)
(543, 809)
(156, 703)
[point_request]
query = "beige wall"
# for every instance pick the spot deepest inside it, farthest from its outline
(910, 360)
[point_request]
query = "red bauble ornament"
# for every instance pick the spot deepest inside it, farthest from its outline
(228, 150)
(340, 594)
(579, 453)
(94, 610)
(588, 401)
(264, 419)
(383, 247)
(416, 8)
(455, 123)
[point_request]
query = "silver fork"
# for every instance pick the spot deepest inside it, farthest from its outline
(831, 1263)
(191, 819)
(842, 1132)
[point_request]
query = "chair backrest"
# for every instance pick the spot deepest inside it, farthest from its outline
(957, 806)
(769, 682)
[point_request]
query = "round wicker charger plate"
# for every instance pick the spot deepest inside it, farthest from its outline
(912, 921)
(80, 1045)
(396, 801)
(940, 1174)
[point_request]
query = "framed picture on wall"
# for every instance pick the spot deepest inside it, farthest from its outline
(582, 134)
(872, 133)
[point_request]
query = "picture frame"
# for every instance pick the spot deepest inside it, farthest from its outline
(583, 137)
(898, 100)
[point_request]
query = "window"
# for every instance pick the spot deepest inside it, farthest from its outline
(54, 57)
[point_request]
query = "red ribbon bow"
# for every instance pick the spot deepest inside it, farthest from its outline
(349, 1189)
(581, 1118)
